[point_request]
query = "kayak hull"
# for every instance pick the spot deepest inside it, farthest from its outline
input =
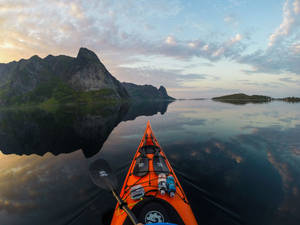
(153, 207)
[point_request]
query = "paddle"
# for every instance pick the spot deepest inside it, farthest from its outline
(103, 177)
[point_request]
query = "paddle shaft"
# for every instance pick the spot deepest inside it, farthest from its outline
(103, 177)
(125, 208)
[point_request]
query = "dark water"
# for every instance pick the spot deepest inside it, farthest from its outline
(242, 159)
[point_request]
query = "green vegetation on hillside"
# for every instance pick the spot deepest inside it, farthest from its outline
(55, 92)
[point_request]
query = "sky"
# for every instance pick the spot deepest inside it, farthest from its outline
(195, 48)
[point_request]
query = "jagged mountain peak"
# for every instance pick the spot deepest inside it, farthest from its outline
(87, 56)
(146, 91)
(162, 89)
(35, 58)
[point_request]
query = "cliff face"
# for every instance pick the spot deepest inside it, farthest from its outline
(37, 79)
(65, 79)
(89, 74)
(146, 92)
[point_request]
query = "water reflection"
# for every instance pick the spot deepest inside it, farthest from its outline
(67, 129)
(57, 189)
(245, 157)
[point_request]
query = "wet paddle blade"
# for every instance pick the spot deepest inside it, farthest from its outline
(102, 175)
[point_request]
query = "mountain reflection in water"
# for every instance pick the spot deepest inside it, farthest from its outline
(67, 129)
(245, 157)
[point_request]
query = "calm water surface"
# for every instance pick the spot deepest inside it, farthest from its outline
(235, 158)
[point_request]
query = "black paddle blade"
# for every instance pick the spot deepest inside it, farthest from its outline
(102, 175)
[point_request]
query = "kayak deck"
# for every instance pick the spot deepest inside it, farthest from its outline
(148, 162)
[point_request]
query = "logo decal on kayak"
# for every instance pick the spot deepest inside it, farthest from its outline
(154, 217)
(103, 173)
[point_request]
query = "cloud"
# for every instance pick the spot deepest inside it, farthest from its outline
(172, 78)
(287, 34)
(290, 80)
(295, 48)
(286, 26)
(122, 32)
(221, 51)
(12, 5)
(237, 38)
(170, 40)
(187, 49)
(74, 9)
(231, 19)
(275, 60)
(261, 84)
(283, 52)
(228, 19)
(296, 5)
(63, 27)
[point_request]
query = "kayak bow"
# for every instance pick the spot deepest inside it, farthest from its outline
(142, 193)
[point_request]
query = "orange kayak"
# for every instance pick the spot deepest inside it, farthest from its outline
(151, 189)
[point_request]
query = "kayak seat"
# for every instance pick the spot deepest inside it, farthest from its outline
(159, 164)
(149, 149)
(154, 210)
(141, 167)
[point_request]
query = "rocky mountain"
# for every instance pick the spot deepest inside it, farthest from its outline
(59, 78)
(65, 79)
(146, 92)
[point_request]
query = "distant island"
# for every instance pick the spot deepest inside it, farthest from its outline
(289, 99)
(63, 79)
(241, 99)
